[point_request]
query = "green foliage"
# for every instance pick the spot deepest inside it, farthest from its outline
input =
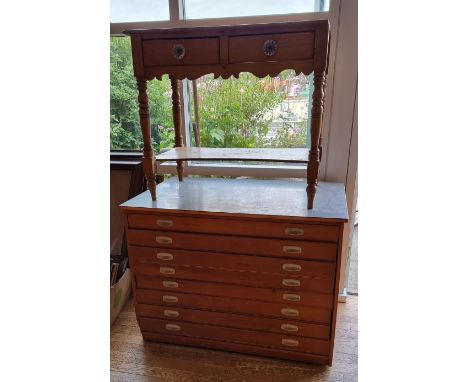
(233, 112)
(162, 125)
(125, 130)
(290, 135)
(121, 138)
(236, 112)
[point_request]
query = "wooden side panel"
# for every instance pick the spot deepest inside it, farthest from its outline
(335, 300)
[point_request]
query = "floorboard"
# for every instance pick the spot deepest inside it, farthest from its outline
(134, 360)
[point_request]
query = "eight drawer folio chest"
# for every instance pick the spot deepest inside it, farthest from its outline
(239, 265)
(244, 265)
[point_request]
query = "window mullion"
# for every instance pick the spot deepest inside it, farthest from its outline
(178, 7)
(176, 10)
(185, 100)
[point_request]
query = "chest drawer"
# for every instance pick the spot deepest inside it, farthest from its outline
(272, 47)
(292, 283)
(235, 321)
(289, 342)
(319, 232)
(236, 347)
(299, 297)
(231, 305)
(170, 52)
(258, 264)
(234, 244)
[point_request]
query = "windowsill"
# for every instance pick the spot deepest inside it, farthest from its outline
(120, 155)
(282, 155)
(219, 169)
(229, 169)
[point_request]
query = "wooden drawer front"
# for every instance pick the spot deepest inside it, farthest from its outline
(286, 341)
(223, 304)
(234, 320)
(234, 244)
(196, 51)
(317, 232)
(162, 256)
(235, 347)
(290, 283)
(289, 46)
(281, 296)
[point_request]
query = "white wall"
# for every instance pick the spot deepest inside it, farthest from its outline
(339, 160)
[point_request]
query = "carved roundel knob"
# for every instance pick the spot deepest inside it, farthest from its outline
(178, 51)
(270, 47)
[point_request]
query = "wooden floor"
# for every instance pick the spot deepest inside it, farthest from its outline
(136, 361)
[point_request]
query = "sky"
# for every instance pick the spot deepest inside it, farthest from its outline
(153, 10)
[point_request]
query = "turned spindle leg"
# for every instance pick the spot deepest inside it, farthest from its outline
(145, 124)
(315, 135)
(177, 118)
(180, 170)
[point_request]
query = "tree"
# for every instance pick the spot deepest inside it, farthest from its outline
(125, 130)
(290, 135)
(233, 112)
(236, 112)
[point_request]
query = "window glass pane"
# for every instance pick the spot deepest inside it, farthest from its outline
(122, 11)
(200, 9)
(252, 112)
(125, 130)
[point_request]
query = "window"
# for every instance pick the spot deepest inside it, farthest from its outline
(200, 9)
(247, 112)
(138, 10)
(125, 133)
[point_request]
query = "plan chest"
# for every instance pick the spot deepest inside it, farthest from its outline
(238, 265)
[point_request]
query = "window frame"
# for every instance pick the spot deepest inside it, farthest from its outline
(177, 19)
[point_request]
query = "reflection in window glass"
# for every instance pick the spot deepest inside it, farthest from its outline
(251, 112)
(125, 130)
(122, 11)
(200, 9)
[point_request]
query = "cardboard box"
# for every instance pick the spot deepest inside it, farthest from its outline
(119, 294)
